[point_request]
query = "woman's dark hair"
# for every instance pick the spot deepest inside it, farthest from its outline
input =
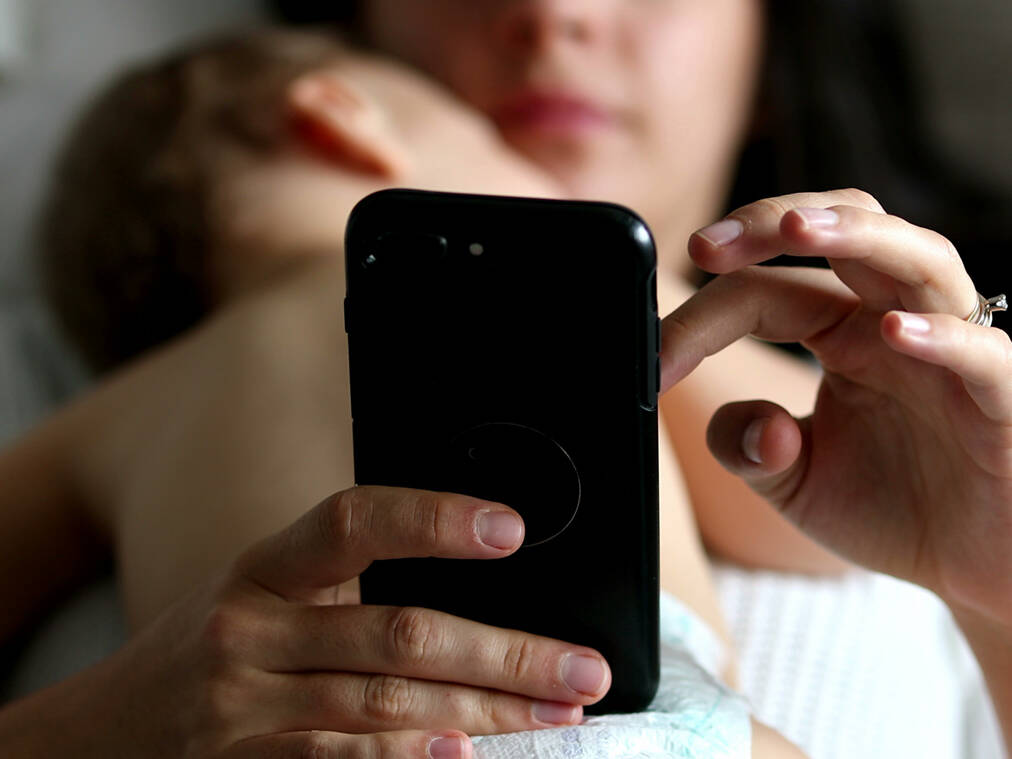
(841, 106)
(315, 11)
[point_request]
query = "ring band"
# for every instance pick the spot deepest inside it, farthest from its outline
(981, 314)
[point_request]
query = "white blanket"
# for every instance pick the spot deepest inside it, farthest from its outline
(693, 715)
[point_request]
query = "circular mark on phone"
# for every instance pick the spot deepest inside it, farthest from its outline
(523, 468)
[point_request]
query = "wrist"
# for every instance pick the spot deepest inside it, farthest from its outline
(990, 638)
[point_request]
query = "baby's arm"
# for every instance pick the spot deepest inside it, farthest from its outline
(221, 438)
(48, 543)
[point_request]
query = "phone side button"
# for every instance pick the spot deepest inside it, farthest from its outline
(347, 315)
(649, 383)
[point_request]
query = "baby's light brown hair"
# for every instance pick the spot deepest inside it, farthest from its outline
(126, 232)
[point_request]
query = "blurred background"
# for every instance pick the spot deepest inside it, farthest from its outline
(954, 57)
(922, 118)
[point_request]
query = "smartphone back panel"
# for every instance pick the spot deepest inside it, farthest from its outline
(507, 348)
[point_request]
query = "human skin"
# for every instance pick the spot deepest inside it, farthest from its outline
(263, 658)
(264, 477)
(260, 661)
(674, 176)
(513, 59)
(289, 211)
(663, 94)
(184, 460)
(905, 464)
(807, 305)
(222, 437)
(662, 90)
(212, 442)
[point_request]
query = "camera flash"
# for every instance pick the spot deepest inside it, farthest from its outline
(476, 248)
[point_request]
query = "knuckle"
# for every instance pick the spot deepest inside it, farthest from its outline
(519, 658)
(315, 745)
(772, 207)
(861, 198)
(413, 637)
(219, 700)
(480, 710)
(345, 517)
(676, 329)
(225, 634)
(745, 285)
(948, 250)
(488, 711)
(220, 706)
(429, 514)
(383, 746)
(387, 699)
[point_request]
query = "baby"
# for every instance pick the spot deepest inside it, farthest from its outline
(202, 200)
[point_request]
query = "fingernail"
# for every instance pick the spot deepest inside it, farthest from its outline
(913, 324)
(500, 529)
(552, 713)
(447, 748)
(819, 218)
(584, 674)
(750, 440)
(723, 232)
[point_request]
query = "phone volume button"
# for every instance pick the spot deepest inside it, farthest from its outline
(347, 315)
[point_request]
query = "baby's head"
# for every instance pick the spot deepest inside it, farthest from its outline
(196, 177)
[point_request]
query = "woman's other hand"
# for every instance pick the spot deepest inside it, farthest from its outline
(267, 662)
(905, 465)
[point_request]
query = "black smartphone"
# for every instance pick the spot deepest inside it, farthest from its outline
(507, 348)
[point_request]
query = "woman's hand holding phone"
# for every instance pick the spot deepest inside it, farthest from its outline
(267, 662)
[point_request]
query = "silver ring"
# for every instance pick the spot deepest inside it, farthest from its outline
(981, 314)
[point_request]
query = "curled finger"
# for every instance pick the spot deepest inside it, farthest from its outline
(981, 356)
(754, 439)
(764, 445)
(883, 258)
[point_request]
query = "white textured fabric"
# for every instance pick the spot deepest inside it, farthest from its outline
(859, 666)
(693, 715)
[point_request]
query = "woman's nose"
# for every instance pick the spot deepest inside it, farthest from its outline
(530, 25)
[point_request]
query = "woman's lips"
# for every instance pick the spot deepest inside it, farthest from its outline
(551, 112)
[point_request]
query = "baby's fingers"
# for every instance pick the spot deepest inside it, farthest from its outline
(981, 356)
